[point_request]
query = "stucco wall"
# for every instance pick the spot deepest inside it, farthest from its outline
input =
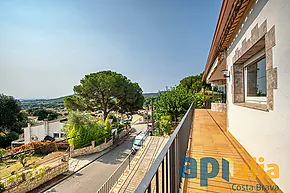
(266, 134)
(40, 132)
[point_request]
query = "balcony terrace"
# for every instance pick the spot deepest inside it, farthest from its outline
(208, 138)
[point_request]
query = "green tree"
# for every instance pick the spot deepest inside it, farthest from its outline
(165, 125)
(75, 103)
(11, 117)
(194, 84)
(148, 101)
(107, 91)
(11, 120)
(5, 140)
(45, 114)
(174, 102)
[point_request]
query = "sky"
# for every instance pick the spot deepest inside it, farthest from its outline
(48, 46)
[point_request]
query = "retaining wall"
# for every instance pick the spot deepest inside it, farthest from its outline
(90, 149)
(30, 179)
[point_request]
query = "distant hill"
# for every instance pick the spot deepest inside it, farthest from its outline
(40, 100)
(149, 94)
(42, 103)
(55, 102)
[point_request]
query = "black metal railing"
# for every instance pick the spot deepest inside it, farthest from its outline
(113, 179)
(163, 175)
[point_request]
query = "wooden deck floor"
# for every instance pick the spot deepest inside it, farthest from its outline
(210, 139)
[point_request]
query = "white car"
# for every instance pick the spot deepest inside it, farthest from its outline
(138, 142)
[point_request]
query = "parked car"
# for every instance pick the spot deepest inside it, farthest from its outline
(139, 141)
(48, 138)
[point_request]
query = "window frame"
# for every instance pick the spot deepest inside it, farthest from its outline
(254, 59)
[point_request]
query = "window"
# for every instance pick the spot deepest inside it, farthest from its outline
(55, 135)
(219, 94)
(61, 135)
(255, 79)
(138, 142)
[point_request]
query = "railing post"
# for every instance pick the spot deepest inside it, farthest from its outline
(177, 159)
(129, 161)
(167, 172)
(149, 188)
(172, 167)
(163, 178)
(157, 181)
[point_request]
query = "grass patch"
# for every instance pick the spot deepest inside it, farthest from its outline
(14, 165)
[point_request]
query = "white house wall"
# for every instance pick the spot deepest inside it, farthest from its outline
(55, 127)
(266, 134)
(40, 132)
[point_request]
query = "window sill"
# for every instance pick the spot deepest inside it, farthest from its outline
(257, 106)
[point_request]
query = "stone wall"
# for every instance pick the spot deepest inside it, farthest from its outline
(219, 107)
(90, 150)
(33, 178)
(261, 39)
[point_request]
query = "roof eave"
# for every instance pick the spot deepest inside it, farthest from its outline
(229, 20)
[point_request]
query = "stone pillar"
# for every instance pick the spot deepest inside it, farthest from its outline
(71, 149)
(46, 127)
(238, 84)
(27, 133)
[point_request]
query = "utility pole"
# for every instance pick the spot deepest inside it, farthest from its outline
(147, 118)
(152, 116)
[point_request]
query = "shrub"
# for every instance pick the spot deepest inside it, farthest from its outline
(82, 129)
(27, 146)
(2, 153)
(23, 158)
(199, 100)
(165, 125)
(111, 116)
(40, 172)
(11, 179)
(2, 187)
(40, 147)
(118, 126)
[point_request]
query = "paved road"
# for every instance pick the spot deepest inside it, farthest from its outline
(140, 127)
(91, 178)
